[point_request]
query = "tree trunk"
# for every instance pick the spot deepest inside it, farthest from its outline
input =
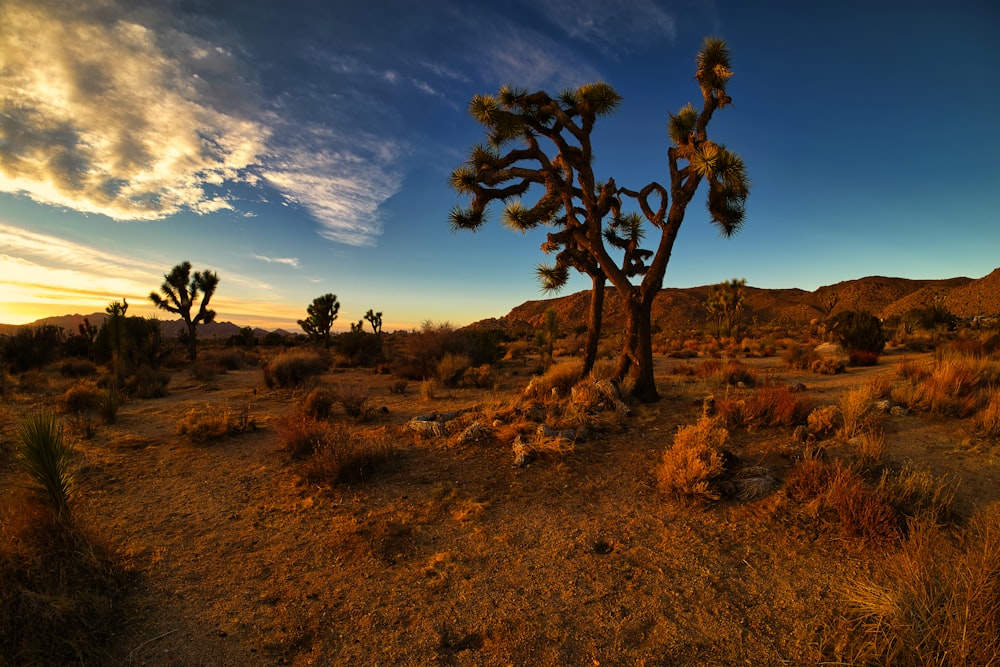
(637, 353)
(594, 325)
(192, 341)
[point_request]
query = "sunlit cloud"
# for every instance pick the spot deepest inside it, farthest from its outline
(108, 113)
(134, 114)
(289, 261)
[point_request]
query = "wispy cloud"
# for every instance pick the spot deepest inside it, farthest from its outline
(614, 26)
(289, 261)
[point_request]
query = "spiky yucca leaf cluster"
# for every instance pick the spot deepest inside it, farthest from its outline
(46, 457)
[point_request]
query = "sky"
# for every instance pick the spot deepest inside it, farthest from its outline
(300, 148)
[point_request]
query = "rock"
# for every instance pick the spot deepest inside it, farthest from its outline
(898, 411)
(426, 427)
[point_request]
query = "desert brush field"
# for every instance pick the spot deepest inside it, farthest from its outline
(272, 506)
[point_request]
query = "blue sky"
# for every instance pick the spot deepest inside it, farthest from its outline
(299, 148)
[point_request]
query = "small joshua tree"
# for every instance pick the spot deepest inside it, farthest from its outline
(320, 316)
(725, 302)
(182, 291)
(374, 319)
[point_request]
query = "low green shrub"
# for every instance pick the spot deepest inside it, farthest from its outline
(45, 456)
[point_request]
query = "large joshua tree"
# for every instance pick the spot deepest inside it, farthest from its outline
(539, 147)
(181, 291)
(320, 316)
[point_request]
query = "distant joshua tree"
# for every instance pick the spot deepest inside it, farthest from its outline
(182, 290)
(320, 316)
(374, 319)
(726, 302)
(540, 145)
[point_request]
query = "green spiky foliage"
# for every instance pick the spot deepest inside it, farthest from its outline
(181, 291)
(320, 316)
(537, 161)
(46, 457)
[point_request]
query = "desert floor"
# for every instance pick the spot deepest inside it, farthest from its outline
(451, 555)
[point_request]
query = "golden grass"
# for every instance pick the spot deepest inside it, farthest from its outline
(933, 602)
(688, 467)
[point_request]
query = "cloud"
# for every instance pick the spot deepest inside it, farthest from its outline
(118, 113)
(614, 26)
(290, 261)
(341, 187)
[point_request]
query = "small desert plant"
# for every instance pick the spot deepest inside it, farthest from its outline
(987, 420)
(688, 467)
(78, 368)
(857, 411)
(800, 357)
(823, 420)
(346, 455)
(318, 403)
(355, 401)
(206, 424)
(291, 369)
(916, 491)
(46, 457)
(827, 366)
(427, 390)
(148, 382)
(398, 387)
(301, 435)
(481, 377)
(861, 511)
(451, 368)
(81, 397)
(205, 370)
(109, 401)
(558, 380)
(870, 446)
(808, 479)
(770, 405)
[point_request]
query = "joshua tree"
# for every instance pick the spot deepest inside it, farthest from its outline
(725, 302)
(551, 150)
(182, 290)
(374, 319)
(320, 316)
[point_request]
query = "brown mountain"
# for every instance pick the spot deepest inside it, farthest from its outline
(168, 328)
(679, 309)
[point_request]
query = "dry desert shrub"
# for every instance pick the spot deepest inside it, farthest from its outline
(451, 368)
(399, 386)
(915, 491)
(800, 357)
(355, 401)
(301, 434)
(688, 467)
(860, 511)
(347, 454)
(81, 397)
(857, 411)
(870, 446)
(148, 382)
(318, 403)
(823, 420)
(559, 380)
(987, 420)
(78, 368)
(808, 479)
(291, 369)
(769, 405)
(209, 423)
(933, 602)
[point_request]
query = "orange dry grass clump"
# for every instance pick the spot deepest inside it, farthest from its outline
(688, 467)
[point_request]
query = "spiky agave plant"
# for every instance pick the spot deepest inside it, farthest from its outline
(45, 456)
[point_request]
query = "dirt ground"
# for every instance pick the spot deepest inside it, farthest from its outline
(454, 556)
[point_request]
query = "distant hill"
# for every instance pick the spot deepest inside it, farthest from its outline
(683, 308)
(169, 328)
